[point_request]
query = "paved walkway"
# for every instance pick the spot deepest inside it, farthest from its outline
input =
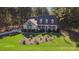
(73, 35)
(13, 32)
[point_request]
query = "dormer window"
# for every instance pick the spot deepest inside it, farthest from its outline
(46, 20)
(52, 21)
(40, 20)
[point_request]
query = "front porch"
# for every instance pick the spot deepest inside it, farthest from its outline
(40, 28)
(48, 28)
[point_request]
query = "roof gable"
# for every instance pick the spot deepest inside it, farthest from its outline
(33, 21)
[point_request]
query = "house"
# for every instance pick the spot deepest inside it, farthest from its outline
(44, 23)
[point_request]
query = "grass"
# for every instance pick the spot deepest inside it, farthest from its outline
(58, 42)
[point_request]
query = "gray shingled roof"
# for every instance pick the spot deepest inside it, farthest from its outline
(49, 17)
(32, 20)
(44, 17)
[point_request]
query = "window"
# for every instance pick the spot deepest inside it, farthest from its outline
(29, 26)
(40, 20)
(52, 21)
(46, 20)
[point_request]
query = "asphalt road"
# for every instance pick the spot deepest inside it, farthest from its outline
(13, 32)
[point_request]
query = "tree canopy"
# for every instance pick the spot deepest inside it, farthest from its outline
(68, 17)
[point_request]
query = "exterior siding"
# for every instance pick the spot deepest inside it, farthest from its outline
(25, 26)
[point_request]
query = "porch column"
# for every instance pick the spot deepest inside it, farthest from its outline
(55, 28)
(45, 28)
(51, 28)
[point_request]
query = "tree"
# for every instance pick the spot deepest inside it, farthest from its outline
(19, 14)
(68, 17)
(40, 11)
(13, 15)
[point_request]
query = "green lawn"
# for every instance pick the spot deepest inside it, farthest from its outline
(57, 43)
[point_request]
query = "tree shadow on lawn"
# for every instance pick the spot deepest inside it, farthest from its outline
(58, 34)
(27, 35)
(74, 36)
(42, 34)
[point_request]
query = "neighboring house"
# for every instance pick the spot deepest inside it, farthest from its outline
(43, 22)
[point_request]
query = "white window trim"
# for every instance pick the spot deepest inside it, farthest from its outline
(46, 20)
(40, 20)
(52, 21)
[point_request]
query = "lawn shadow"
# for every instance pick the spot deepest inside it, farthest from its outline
(29, 34)
(57, 34)
(74, 36)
